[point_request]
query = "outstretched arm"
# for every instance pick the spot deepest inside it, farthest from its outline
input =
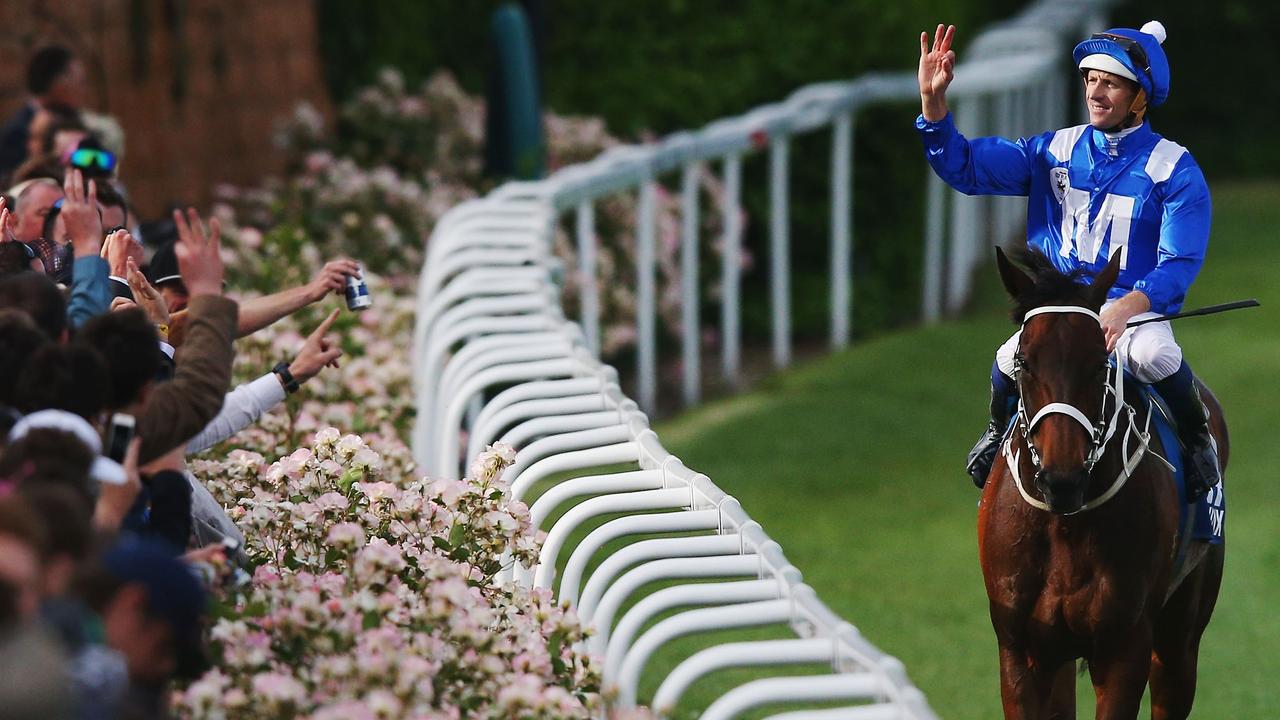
(257, 313)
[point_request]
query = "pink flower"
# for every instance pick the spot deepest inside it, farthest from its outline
(295, 465)
(346, 535)
(449, 492)
(376, 491)
(332, 502)
(279, 689)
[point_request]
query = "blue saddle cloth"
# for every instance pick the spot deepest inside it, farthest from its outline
(1207, 517)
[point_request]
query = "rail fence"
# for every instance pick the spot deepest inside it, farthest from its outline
(497, 360)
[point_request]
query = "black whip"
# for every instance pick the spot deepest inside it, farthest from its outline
(1210, 310)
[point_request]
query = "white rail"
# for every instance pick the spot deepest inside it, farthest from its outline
(498, 360)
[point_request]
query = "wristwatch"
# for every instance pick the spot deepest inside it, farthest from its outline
(291, 385)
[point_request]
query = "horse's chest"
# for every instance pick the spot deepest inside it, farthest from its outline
(1086, 596)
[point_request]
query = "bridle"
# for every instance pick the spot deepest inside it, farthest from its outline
(1100, 431)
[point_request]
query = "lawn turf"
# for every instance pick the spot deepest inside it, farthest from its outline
(853, 463)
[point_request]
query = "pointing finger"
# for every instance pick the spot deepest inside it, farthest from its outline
(323, 328)
(924, 43)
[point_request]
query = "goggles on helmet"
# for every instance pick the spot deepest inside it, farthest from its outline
(1131, 47)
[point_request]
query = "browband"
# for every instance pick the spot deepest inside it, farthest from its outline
(1059, 309)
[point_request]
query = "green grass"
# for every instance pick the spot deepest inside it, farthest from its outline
(853, 463)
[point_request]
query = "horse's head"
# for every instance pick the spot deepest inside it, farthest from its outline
(1061, 371)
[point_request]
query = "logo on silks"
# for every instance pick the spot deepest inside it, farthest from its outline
(1058, 178)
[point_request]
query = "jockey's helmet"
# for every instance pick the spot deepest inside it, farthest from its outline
(1133, 54)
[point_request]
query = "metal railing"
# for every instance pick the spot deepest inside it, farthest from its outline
(497, 360)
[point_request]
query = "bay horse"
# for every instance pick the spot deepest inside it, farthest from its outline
(1078, 526)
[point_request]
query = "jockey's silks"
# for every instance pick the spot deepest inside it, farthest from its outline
(1149, 201)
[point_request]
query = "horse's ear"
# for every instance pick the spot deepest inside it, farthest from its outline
(1103, 281)
(1015, 281)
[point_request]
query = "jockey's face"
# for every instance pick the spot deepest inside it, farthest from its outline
(1108, 98)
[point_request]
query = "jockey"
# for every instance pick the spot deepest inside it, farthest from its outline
(1112, 185)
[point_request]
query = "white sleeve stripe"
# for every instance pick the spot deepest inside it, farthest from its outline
(1164, 158)
(1064, 140)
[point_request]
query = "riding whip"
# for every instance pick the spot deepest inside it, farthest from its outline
(1209, 310)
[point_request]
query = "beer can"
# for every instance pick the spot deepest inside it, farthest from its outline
(358, 292)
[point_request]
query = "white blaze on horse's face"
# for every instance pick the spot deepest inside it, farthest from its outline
(1062, 379)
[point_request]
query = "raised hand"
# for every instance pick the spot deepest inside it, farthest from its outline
(6, 223)
(114, 501)
(332, 278)
(80, 214)
(317, 352)
(146, 296)
(937, 70)
(118, 249)
(199, 256)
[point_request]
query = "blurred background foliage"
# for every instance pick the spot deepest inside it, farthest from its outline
(655, 67)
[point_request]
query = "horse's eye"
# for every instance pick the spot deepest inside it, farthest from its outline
(1020, 363)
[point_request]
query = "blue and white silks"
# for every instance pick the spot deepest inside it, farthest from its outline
(1089, 194)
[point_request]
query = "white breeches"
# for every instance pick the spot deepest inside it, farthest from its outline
(1153, 353)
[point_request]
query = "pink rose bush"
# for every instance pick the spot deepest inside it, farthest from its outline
(373, 596)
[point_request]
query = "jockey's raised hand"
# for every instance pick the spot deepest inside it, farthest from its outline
(937, 70)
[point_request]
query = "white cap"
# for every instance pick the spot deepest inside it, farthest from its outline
(104, 469)
(1106, 63)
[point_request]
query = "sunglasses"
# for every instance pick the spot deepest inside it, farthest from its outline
(93, 159)
(1131, 47)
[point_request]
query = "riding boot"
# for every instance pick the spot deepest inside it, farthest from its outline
(1004, 398)
(1183, 398)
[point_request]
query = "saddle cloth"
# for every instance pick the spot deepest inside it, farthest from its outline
(1206, 517)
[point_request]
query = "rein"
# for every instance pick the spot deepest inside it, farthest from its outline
(1100, 432)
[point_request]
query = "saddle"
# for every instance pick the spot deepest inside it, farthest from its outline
(1206, 517)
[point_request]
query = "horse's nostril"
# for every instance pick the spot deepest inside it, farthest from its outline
(1064, 492)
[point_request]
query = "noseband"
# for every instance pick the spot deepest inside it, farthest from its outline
(1100, 431)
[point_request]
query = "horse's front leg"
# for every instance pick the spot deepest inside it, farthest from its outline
(1119, 670)
(1025, 684)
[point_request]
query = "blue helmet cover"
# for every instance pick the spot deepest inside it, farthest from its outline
(1155, 82)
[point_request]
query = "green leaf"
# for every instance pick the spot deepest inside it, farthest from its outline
(457, 534)
(349, 478)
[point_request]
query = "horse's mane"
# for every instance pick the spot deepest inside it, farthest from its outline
(1050, 286)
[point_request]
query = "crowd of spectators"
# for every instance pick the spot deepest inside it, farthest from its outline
(115, 364)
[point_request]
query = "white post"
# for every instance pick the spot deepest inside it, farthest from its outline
(935, 212)
(841, 229)
(964, 216)
(1005, 214)
(731, 269)
(646, 308)
(589, 292)
(779, 262)
(689, 282)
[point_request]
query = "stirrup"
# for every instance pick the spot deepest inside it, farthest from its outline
(1202, 469)
(983, 455)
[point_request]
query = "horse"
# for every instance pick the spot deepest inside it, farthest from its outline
(1079, 563)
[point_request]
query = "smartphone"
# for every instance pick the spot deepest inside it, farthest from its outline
(119, 436)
